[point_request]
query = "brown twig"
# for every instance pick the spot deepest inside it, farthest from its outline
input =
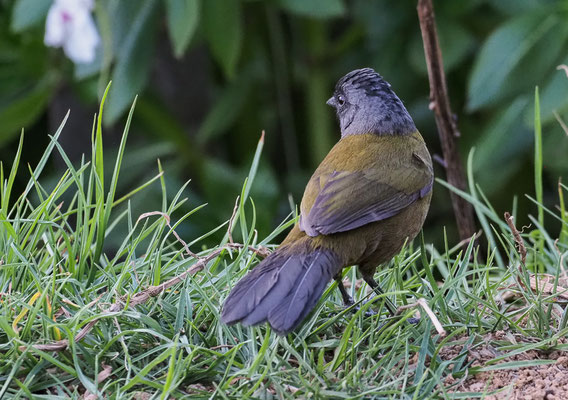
(167, 218)
(540, 282)
(222, 346)
(259, 250)
(517, 236)
(545, 284)
(519, 244)
(445, 119)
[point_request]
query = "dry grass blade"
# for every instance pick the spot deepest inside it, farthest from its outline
(435, 321)
(104, 374)
(563, 67)
(561, 122)
(544, 283)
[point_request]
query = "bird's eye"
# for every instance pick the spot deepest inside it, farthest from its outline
(340, 100)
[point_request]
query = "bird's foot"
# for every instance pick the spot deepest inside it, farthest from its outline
(412, 321)
(354, 309)
(348, 303)
(368, 313)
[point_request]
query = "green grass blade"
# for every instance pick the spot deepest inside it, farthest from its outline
(538, 162)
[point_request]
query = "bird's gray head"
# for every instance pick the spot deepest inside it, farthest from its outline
(365, 103)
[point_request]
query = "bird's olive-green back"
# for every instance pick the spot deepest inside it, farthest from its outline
(365, 178)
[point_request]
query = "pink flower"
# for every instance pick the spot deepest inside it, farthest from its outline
(70, 25)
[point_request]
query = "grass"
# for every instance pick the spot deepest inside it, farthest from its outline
(82, 316)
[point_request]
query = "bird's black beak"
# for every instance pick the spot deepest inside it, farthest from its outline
(331, 102)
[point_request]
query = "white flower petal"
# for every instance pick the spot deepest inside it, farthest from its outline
(81, 44)
(70, 24)
(54, 28)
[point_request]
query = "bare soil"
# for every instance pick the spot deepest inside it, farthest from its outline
(548, 382)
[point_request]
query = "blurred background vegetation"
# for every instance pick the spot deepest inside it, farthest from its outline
(212, 74)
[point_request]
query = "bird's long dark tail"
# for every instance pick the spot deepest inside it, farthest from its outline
(282, 290)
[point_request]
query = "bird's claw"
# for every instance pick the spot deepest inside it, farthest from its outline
(368, 313)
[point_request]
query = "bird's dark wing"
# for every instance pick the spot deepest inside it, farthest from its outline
(350, 199)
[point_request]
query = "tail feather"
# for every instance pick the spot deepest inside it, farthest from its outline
(253, 288)
(305, 294)
(281, 290)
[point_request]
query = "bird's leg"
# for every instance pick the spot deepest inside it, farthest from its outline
(347, 299)
(377, 289)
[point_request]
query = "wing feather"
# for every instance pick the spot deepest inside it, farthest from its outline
(381, 191)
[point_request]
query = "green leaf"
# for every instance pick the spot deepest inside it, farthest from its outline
(538, 65)
(86, 70)
(182, 17)
(227, 108)
(504, 50)
(133, 60)
(506, 132)
(555, 148)
(512, 7)
(223, 30)
(23, 110)
(538, 161)
(553, 96)
(181, 310)
(6, 188)
(456, 44)
(314, 8)
(27, 13)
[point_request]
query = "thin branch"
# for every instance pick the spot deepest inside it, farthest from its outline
(520, 246)
(168, 220)
(259, 250)
(445, 119)
(517, 236)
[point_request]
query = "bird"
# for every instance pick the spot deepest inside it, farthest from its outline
(369, 195)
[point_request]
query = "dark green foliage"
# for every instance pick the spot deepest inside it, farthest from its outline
(246, 66)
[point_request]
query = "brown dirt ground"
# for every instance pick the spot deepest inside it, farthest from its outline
(547, 382)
